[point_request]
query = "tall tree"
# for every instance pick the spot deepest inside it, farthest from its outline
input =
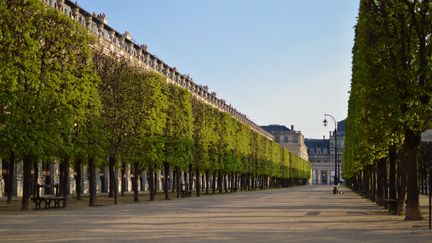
(47, 79)
(178, 131)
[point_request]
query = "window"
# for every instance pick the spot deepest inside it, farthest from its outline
(285, 139)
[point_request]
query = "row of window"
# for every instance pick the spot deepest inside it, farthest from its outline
(320, 161)
(286, 139)
(318, 151)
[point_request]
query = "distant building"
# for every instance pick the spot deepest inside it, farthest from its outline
(289, 139)
(319, 156)
(322, 155)
(340, 139)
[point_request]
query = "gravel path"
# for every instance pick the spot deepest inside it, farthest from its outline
(300, 214)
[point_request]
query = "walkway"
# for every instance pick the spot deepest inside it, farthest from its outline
(300, 214)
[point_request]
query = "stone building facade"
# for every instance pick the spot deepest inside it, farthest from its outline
(319, 156)
(322, 156)
(289, 139)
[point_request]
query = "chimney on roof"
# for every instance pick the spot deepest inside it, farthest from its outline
(127, 35)
(323, 137)
(292, 127)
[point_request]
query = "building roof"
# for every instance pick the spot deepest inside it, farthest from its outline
(275, 128)
(317, 143)
(341, 128)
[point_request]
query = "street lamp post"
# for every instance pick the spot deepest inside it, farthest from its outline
(335, 190)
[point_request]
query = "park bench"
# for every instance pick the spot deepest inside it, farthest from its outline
(391, 203)
(48, 200)
(363, 193)
(185, 192)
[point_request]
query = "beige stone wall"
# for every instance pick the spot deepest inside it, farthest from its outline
(295, 143)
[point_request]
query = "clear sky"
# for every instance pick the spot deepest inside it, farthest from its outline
(277, 61)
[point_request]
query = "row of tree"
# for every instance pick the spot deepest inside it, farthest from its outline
(390, 101)
(58, 101)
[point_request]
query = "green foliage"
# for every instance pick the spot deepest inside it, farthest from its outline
(57, 99)
(179, 128)
(47, 80)
(391, 87)
(147, 108)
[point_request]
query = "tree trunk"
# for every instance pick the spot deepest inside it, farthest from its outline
(92, 182)
(135, 181)
(65, 179)
(35, 177)
(236, 181)
(385, 184)
(411, 147)
(220, 181)
(253, 182)
(174, 181)
(197, 182)
(231, 180)
(374, 184)
(401, 189)
(78, 178)
(179, 180)
(365, 184)
(392, 179)
(242, 184)
(151, 182)
(190, 178)
(380, 181)
(207, 174)
(25, 202)
(166, 175)
(123, 179)
(113, 179)
(214, 182)
(10, 178)
(156, 182)
(111, 176)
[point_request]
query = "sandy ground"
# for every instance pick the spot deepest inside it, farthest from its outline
(299, 214)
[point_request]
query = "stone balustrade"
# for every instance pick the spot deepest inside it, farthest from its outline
(98, 25)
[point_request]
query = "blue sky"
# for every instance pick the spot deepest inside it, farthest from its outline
(277, 61)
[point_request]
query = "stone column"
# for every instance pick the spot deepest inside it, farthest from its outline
(159, 181)
(329, 178)
(55, 173)
(98, 180)
(144, 181)
(319, 177)
(171, 181)
(40, 177)
(128, 178)
(119, 178)
(84, 179)
(72, 182)
(18, 180)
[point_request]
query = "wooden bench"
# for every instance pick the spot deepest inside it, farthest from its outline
(391, 203)
(185, 192)
(48, 201)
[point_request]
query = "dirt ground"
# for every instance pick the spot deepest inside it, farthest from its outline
(298, 214)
